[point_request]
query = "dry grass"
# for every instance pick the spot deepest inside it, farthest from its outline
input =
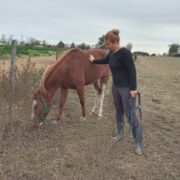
(41, 62)
(83, 150)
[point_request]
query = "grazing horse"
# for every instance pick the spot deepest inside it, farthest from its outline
(73, 71)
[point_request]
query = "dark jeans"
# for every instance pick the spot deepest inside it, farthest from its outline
(121, 96)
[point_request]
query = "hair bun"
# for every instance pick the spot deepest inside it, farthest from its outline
(115, 31)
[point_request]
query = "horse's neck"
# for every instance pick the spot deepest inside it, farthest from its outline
(51, 93)
(54, 81)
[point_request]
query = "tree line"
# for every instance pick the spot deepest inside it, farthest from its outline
(174, 48)
(32, 42)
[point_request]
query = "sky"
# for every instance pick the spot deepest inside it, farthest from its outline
(150, 25)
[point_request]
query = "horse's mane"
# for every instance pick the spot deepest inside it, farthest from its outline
(48, 71)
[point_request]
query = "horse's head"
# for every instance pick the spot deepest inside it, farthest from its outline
(40, 107)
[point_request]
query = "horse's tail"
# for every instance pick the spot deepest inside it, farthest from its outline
(97, 87)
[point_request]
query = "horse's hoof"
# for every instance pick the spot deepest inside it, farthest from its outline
(56, 122)
(99, 117)
(40, 124)
(35, 125)
(91, 113)
(83, 118)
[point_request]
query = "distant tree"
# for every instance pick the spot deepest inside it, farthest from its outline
(178, 50)
(3, 38)
(164, 54)
(173, 49)
(44, 43)
(22, 42)
(129, 46)
(33, 42)
(61, 44)
(72, 45)
(100, 43)
(88, 47)
(83, 46)
(10, 39)
(37, 42)
(153, 54)
(140, 53)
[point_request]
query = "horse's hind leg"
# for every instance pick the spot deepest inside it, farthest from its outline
(80, 92)
(103, 83)
(101, 99)
(96, 103)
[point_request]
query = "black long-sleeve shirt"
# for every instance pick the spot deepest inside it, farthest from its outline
(122, 68)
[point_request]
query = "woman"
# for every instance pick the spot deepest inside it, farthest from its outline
(124, 88)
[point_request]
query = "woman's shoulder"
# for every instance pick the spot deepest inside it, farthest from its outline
(126, 52)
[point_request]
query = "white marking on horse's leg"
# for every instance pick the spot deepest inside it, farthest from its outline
(101, 100)
(83, 118)
(40, 124)
(55, 122)
(96, 103)
(33, 104)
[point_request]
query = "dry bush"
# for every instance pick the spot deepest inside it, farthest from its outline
(26, 80)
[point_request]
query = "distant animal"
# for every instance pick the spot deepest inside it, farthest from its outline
(135, 57)
(72, 71)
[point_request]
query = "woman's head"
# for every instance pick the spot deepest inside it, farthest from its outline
(112, 38)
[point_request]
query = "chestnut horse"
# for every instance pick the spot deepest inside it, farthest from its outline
(73, 71)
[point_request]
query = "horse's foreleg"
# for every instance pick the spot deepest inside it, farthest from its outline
(63, 96)
(101, 100)
(80, 92)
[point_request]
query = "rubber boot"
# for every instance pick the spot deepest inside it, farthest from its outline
(137, 133)
(120, 130)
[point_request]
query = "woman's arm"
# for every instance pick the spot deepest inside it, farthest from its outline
(104, 60)
(129, 65)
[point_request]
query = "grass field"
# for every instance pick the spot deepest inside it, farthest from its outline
(84, 150)
(27, 50)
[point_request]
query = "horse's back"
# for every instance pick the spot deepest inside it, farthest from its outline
(80, 70)
(96, 71)
(98, 53)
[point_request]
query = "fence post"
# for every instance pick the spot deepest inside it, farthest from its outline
(57, 52)
(12, 82)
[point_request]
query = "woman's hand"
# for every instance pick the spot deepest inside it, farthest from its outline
(133, 93)
(91, 58)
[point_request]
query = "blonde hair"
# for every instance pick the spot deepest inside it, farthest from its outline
(112, 36)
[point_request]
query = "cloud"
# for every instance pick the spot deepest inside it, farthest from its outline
(141, 22)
